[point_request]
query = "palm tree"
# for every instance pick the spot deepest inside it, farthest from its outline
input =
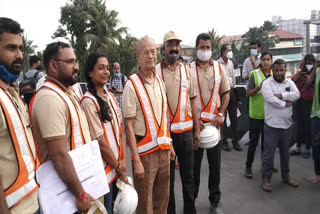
(28, 49)
(215, 43)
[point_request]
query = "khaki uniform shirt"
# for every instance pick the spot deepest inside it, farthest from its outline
(94, 122)
(51, 118)
(8, 159)
(132, 108)
(172, 82)
(206, 82)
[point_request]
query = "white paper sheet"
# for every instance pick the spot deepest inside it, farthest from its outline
(55, 197)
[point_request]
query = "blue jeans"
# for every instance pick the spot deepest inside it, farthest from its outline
(110, 197)
(37, 212)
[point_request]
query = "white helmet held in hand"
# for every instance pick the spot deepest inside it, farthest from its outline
(127, 199)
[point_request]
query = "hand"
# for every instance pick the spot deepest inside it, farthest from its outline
(201, 124)
(83, 205)
(138, 169)
(302, 64)
(196, 140)
(217, 121)
(172, 153)
(279, 96)
(124, 178)
(252, 59)
(121, 170)
(288, 103)
(261, 83)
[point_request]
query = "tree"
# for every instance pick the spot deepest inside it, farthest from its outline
(89, 27)
(215, 43)
(28, 49)
(268, 26)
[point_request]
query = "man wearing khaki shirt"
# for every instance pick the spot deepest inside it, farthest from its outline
(52, 109)
(183, 116)
(17, 153)
(213, 89)
(145, 112)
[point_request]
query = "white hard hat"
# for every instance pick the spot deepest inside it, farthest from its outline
(209, 136)
(127, 199)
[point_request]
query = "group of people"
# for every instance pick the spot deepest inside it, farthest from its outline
(159, 112)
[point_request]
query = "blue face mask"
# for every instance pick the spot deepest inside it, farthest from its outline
(7, 76)
(254, 52)
(117, 74)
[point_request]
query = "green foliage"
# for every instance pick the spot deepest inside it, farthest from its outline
(90, 27)
(215, 43)
(261, 34)
(28, 49)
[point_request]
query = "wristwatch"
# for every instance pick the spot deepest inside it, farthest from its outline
(221, 115)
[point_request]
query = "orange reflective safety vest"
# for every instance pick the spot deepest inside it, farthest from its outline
(109, 133)
(181, 121)
(157, 136)
(77, 90)
(25, 184)
(77, 138)
(207, 112)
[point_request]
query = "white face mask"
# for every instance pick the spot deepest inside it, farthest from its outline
(309, 67)
(204, 56)
(230, 55)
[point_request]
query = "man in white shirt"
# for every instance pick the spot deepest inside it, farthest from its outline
(279, 95)
(253, 61)
(227, 65)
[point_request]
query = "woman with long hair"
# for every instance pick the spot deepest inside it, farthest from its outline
(105, 122)
(304, 105)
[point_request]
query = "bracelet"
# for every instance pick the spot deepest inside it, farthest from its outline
(220, 114)
(82, 196)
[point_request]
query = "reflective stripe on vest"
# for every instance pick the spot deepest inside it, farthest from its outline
(25, 183)
(77, 90)
(315, 112)
(77, 137)
(109, 133)
(207, 113)
(156, 137)
(181, 121)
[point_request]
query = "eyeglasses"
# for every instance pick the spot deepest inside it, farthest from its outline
(68, 61)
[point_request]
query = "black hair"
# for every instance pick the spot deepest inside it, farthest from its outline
(34, 59)
(309, 57)
(223, 48)
(255, 43)
(9, 26)
(105, 111)
(203, 36)
(52, 51)
(279, 62)
(264, 54)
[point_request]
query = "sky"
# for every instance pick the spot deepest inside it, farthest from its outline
(40, 18)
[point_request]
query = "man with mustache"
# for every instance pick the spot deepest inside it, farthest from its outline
(279, 94)
(58, 121)
(183, 115)
(18, 187)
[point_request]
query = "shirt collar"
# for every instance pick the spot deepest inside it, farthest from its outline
(5, 86)
(59, 84)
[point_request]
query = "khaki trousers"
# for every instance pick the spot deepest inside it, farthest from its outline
(153, 189)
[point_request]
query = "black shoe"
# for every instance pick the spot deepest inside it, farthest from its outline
(274, 170)
(226, 147)
(248, 173)
(236, 146)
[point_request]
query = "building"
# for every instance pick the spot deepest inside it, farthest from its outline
(289, 48)
(309, 29)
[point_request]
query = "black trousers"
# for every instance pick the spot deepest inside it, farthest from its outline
(303, 111)
(183, 147)
(214, 161)
(256, 127)
(273, 138)
(232, 112)
(317, 167)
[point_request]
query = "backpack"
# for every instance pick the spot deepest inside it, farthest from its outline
(28, 85)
